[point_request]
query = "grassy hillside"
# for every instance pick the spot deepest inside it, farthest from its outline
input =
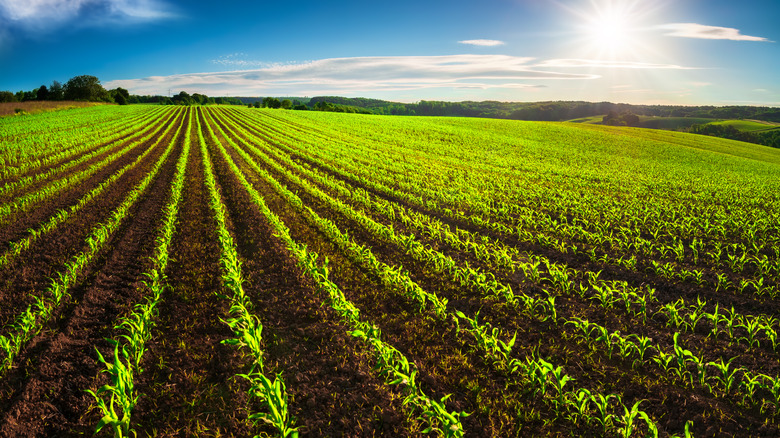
(749, 125)
(653, 122)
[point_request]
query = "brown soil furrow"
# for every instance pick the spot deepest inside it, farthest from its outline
(188, 385)
(45, 394)
(327, 373)
(616, 375)
(447, 362)
(29, 274)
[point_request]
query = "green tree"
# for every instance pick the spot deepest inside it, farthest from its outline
(7, 96)
(85, 87)
(183, 98)
(24, 96)
(43, 93)
(56, 92)
(271, 102)
(120, 99)
(286, 104)
(120, 95)
(200, 99)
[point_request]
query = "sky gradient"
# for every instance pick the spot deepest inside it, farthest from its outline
(689, 52)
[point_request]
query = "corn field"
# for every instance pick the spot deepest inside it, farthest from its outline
(225, 271)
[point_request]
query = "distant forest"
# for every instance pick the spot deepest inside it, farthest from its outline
(88, 88)
(547, 111)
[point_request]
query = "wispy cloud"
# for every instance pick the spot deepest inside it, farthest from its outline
(694, 30)
(485, 43)
(559, 63)
(366, 75)
(46, 14)
(242, 61)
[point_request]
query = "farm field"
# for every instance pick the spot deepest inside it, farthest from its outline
(666, 123)
(678, 123)
(31, 107)
(225, 271)
(750, 125)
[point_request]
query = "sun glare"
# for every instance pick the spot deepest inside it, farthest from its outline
(611, 32)
(610, 29)
(614, 29)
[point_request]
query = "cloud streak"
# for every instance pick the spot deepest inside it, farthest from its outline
(41, 15)
(484, 43)
(358, 75)
(579, 63)
(694, 30)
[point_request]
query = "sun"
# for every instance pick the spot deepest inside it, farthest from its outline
(610, 30)
(613, 29)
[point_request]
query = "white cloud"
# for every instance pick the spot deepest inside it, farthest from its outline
(43, 14)
(607, 64)
(693, 30)
(366, 75)
(487, 43)
(140, 9)
(20, 10)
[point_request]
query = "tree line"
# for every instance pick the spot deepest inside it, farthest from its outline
(88, 88)
(549, 111)
(83, 88)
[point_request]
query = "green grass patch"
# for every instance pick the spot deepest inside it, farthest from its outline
(749, 125)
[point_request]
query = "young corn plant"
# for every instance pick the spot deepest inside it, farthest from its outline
(121, 394)
(579, 404)
(771, 335)
(488, 340)
(752, 325)
(673, 313)
(726, 376)
(714, 319)
(273, 393)
(642, 345)
(603, 295)
(684, 357)
(731, 320)
(750, 384)
(603, 417)
(772, 385)
(451, 424)
(627, 420)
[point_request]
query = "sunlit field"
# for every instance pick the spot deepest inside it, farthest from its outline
(235, 271)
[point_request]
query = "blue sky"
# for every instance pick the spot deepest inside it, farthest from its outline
(718, 52)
